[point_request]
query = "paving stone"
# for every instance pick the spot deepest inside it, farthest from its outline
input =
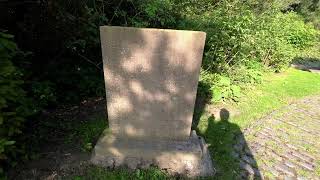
(247, 151)
(293, 134)
(274, 172)
(247, 167)
(307, 166)
(290, 164)
(292, 146)
(315, 177)
(237, 147)
(311, 158)
(274, 155)
(285, 169)
(300, 156)
(235, 154)
(249, 160)
(241, 140)
(289, 178)
(301, 178)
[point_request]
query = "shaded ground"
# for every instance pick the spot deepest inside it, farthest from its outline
(307, 64)
(285, 143)
(65, 138)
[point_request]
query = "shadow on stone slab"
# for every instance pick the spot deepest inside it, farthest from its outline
(151, 78)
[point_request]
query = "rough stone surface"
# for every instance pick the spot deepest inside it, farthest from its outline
(151, 78)
(189, 157)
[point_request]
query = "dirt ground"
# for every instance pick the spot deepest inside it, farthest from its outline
(56, 158)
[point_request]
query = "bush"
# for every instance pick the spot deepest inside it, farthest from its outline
(280, 38)
(242, 44)
(13, 103)
(222, 89)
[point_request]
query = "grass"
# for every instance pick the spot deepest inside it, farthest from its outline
(277, 90)
(87, 132)
(97, 173)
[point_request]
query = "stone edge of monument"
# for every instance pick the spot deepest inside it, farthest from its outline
(171, 163)
(153, 29)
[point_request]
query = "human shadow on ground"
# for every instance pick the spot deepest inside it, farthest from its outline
(232, 157)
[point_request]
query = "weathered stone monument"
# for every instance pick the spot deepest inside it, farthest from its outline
(151, 78)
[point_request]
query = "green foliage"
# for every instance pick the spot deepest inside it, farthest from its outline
(220, 87)
(101, 173)
(309, 9)
(13, 103)
(156, 14)
(242, 43)
(44, 93)
(88, 133)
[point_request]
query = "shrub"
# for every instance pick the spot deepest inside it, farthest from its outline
(280, 37)
(242, 43)
(219, 87)
(13, 108)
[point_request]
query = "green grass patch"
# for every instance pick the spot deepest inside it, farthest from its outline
(121, 174)
(277, 90)
(87, 132)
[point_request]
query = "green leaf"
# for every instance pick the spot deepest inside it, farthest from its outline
(216, 94)
(236, 91)
(224, 81)
(7, 36)
(8, 143)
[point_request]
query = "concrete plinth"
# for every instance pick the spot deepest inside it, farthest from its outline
(189, 157)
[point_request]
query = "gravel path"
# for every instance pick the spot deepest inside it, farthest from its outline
(283, 145)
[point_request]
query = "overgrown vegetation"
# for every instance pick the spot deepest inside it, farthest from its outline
(242, 44)
(245, 39)
(100, 173)
(14, 106)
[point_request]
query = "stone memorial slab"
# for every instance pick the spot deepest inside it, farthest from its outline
(151, 78)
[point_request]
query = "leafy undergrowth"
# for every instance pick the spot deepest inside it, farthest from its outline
(88, 132)
(100, 173)
(277, 91)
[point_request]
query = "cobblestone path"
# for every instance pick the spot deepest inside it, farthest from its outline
(283, 145)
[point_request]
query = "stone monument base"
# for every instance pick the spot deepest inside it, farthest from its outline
(190, 158)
